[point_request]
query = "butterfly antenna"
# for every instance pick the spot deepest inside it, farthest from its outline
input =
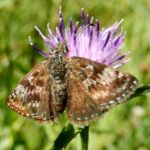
(91, 24)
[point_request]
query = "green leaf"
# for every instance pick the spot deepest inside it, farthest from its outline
(141, 90)
(65, 136)
(84, 134)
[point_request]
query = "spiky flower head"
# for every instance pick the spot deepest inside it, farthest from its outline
(87, 40)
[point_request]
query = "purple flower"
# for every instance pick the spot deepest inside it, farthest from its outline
(88, 40)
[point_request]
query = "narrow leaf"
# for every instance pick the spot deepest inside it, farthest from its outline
(84, 134)
(141, 90)
(65, 136)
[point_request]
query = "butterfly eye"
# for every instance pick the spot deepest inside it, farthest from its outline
(65, 48)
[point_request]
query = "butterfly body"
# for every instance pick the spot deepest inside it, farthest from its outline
(85, 88)
(58, 74)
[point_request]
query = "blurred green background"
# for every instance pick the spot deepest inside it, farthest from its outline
(126, 127)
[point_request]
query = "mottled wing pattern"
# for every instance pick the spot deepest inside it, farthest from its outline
(80, 106)
(32, 97)
(94, 88)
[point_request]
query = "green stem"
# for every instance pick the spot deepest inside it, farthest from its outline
(84, 134)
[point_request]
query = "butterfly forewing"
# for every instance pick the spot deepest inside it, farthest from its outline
(94, 88)
(32, 96)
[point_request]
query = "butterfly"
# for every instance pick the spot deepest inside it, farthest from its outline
(84, 88)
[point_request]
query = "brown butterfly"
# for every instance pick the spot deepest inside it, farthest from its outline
(84, 88)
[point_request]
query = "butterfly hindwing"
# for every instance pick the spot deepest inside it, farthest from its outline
(94, 88)
(32, 96)
(80, 107)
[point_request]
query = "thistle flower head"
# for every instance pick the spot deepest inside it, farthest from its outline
(87, 40)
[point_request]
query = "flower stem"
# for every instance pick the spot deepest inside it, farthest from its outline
(84, 134)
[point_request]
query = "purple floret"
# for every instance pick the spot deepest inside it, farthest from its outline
(88, 40)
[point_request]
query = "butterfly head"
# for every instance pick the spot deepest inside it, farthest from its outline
(61, 49)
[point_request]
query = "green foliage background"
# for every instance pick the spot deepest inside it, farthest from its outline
(126, 127)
